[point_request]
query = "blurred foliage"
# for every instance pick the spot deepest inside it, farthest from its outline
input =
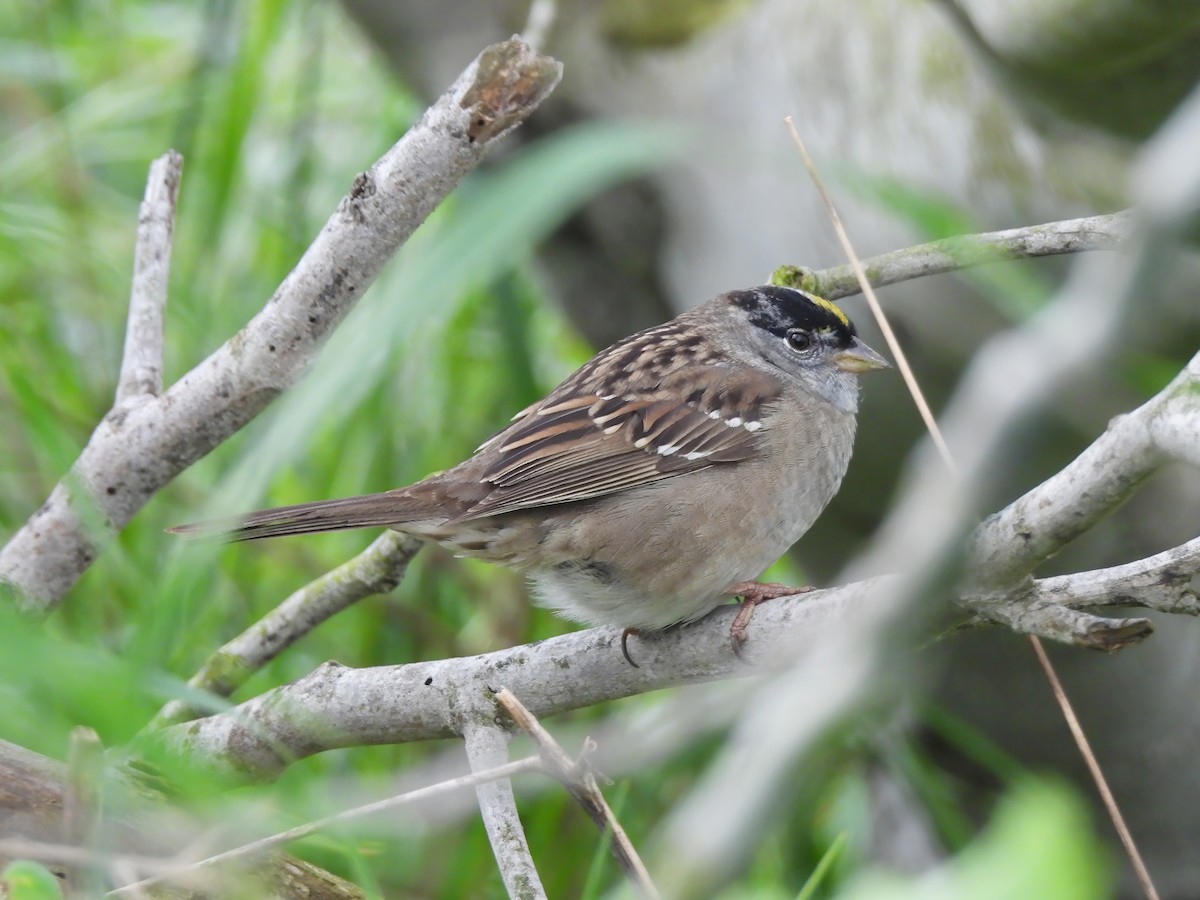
(275, 105)
(1042, 824)
(665, 23)
(23, 880)
(1119, 66)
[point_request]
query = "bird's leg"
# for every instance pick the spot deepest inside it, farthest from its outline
(752, 594)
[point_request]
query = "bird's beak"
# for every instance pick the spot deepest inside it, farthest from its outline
(859, 358)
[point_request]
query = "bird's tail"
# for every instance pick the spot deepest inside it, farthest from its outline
(389, 508)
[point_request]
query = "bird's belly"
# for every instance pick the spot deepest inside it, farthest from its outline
(694, 535)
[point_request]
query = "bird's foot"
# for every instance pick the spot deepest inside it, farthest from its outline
(752, 594)
(625, 645)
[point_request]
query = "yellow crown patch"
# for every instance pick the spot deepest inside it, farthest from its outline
(829, 306)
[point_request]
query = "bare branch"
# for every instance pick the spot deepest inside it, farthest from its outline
(135, 451)
(1036, 617)
(1160, 582)
(335, 706)
(580, 781)
(952, 254)
(142, 364)
(1013, 542)
(1051, 607)
(376, 570)
(1059, 622)
(487, 747)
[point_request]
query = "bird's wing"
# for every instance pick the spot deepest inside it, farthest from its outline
(600, 434)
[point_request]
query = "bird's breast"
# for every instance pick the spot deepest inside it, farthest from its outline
(664, 553)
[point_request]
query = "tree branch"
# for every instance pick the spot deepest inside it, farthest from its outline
(335, 706)
(1013, 542)
(1160, 582)
(142, 363)
(487, 747)
(135, 451)
(967, 251)
(924, 534)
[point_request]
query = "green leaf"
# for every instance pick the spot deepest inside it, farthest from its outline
(824, 867)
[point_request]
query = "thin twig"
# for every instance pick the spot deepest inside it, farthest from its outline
(884, 325)
(1093, 766)
(953, 254)
(577, 778)
(142, 364)
(487, 747)
(1161, 582)
(526, 764)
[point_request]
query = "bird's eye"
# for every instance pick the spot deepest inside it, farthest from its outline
(799, 339)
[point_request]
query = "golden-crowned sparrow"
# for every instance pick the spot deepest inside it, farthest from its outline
(657, 479)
